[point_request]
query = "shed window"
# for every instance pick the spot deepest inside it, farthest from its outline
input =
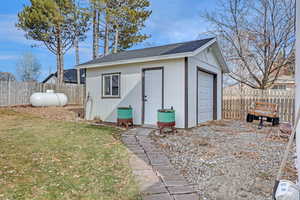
(111, 85)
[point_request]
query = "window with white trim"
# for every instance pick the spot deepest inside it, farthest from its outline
(111, 85)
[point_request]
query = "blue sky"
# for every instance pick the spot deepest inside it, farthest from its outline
(171, 21)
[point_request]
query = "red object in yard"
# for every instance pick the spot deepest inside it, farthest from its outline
(125, 122)
(162, 125)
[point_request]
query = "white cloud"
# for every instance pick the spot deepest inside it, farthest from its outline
(170, 31)
(9, 32)
(8, 57)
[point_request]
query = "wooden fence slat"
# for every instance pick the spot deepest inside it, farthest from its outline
(237, 102)
(18, 93)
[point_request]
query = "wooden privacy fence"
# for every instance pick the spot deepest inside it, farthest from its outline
(18, 93)
(236, 103)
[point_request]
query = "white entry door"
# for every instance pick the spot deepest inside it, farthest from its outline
(153, 88)
(205, 96)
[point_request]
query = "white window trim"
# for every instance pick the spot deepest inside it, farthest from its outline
(119, 85)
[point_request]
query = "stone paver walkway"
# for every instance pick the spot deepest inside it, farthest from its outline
(157, 178)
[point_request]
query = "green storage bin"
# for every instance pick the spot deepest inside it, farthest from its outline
(124, 113)
(166, 115)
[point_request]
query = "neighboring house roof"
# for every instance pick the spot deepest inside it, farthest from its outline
(70, 76)
(171, 51)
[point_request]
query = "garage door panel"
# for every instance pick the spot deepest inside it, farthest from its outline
(207, 111)
(205, 96)
(206, 99)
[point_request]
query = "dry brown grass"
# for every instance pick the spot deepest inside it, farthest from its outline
(53, 113)
(50, 159)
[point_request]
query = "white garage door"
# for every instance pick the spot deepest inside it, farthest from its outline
(205, 96)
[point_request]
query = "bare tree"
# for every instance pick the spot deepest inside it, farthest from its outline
(258, 38)
(28, 67)
(7, 76)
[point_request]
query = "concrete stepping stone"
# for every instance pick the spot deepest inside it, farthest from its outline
(151, 149)
(146, 180)
(156, 177)
(166, 170)
(176, 183)
(129, 140)
(157, 188)
(136, 149)
(145, 143)
(143, 131)
(186, 197)
(139, 163)
(158, 159)
(173, 178)
(181, 189)
(158, 197)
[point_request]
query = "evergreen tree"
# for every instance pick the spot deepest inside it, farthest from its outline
(127, 19)
(118, 23)
(53, 22)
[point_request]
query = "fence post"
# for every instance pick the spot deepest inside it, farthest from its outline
(8, 86)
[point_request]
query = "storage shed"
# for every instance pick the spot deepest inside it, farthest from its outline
(187, 76)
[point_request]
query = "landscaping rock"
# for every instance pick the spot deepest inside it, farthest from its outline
(227, 159)
(155, 175)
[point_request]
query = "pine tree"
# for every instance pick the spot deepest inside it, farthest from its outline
(81, 16)
(53, 22)
(128, 19)
(121, 22)
(96, 7)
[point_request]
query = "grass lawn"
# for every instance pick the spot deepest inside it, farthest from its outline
(45, 159)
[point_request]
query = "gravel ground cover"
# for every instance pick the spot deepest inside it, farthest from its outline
(228, 159)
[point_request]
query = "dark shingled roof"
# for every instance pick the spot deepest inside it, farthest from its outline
(70, 76)
(183, 47)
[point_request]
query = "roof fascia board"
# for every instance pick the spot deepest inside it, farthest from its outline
(137, 60)
(197, 51)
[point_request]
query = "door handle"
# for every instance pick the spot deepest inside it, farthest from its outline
(145, 98)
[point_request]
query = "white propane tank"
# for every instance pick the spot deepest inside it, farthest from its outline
(48, 99)
(287, 190)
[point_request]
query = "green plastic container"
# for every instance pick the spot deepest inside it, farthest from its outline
(166, 115)
(124, 113)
